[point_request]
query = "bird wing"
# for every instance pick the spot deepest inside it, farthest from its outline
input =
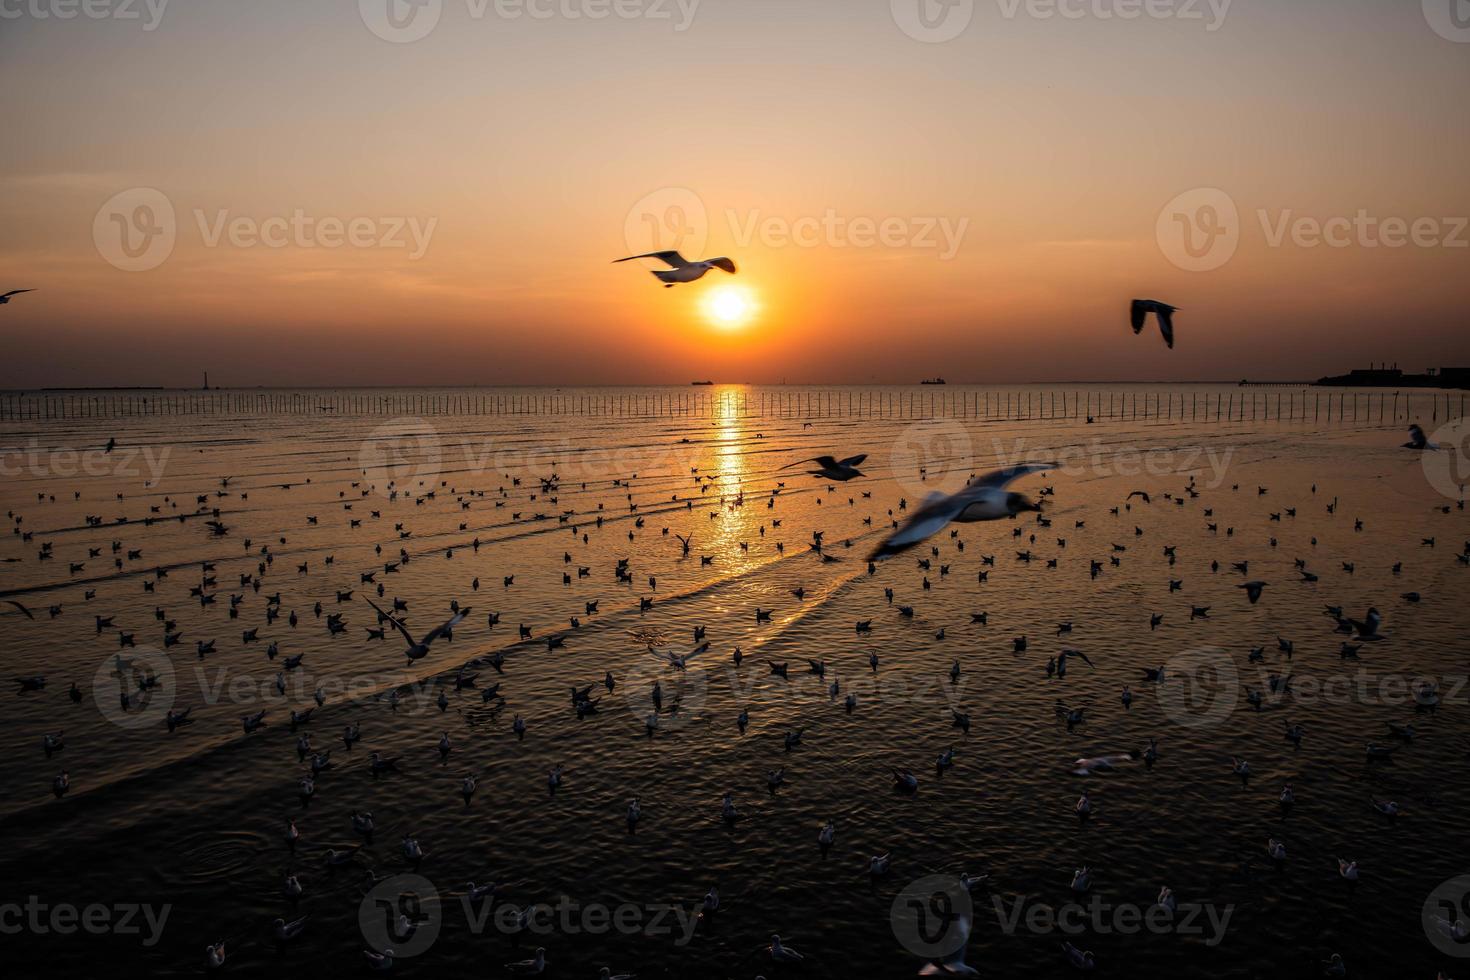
(16, 292)
(1166, 323)
(1000, 478)
(21, 608)
(672, 259)
(936, 512)
(723, 263)
(1139, 313)
(446, 626)
(396, 625)
(855, 460)
(823, 461)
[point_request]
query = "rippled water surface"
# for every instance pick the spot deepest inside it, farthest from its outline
(194, 820)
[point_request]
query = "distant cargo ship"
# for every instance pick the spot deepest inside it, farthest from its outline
(1382, 376)
(932, 381)
(701, 384)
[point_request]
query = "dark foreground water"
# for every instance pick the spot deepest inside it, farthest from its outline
(167, 842)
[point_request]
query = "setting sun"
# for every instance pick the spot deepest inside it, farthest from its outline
(730, 307)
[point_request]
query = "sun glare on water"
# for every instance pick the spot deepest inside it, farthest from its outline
(729, 307)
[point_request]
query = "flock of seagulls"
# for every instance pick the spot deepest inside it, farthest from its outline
(488, 681)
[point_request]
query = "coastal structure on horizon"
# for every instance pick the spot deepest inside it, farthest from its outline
(1385, 376)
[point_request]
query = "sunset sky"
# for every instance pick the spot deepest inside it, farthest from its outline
(528, 152)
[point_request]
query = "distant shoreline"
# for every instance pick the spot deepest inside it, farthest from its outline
(685, 385)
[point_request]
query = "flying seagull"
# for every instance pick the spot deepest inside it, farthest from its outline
(5, 297)
(1143, 307)
(417, 649)
(840, 470)
(681, 269)
(983, 499)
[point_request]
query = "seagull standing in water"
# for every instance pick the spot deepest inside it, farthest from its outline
(681, 269)
(1163, 311)
(983, 499)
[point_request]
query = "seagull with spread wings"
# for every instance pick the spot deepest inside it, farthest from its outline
(5, 297)
(1163, 311)
(681, 269)
(831, 468)
(984, 498)
(418, 649)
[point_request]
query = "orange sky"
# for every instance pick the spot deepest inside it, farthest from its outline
(1018, 172)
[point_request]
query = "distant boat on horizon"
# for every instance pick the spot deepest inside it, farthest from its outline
(701, 383)
(932, 381)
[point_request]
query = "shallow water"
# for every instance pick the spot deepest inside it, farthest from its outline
(194, 820)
